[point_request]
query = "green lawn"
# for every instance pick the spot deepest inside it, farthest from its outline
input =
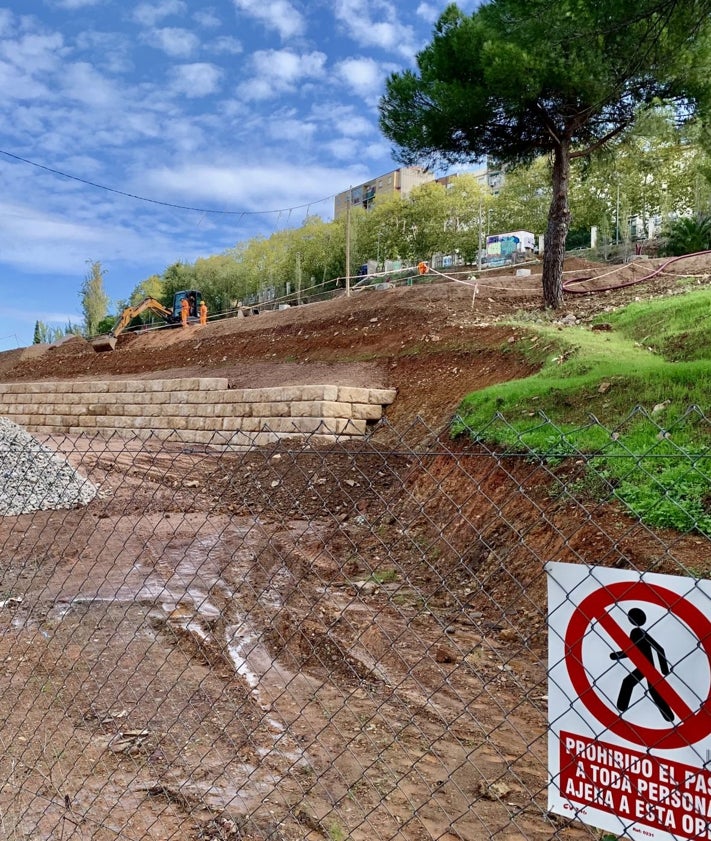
(634, 401)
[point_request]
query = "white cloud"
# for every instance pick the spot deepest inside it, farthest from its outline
(52, 242)
(85, 164)
(26, 118)
(35, 52)
(76, 4)
(375, 24)
(274, 14)
(184, 135)
(49, 317)
(363, 76)
(289, 66)
(428, 12)
(16, 84)
(225, 44)
(83, 83)
(280, 71)
(114, 48)
(207, 19)
(5, 21)
(27, 64)
(195, 80)
(257, 186)
(356, 126)
(255, 90)
(341, 119)
(149, 14)
(343, 148)
(339, 129)
(176, 42)
(378, 150)
(284, 125)
(291, 130)
(35, 240)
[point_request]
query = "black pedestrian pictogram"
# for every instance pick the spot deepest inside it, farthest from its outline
(595, 615)
(646, 645)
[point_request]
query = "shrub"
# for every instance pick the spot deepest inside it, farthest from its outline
(688, 235)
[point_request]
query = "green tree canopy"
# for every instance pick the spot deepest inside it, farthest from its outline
(151, 287)
(523, 201)
(520, 78)
(94, 300)
(44, 334)
(177, 277)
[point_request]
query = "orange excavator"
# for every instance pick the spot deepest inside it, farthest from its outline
(171, 317)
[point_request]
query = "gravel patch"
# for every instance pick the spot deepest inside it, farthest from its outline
(35, 478)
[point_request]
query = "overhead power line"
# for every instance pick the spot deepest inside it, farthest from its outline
(157, 201)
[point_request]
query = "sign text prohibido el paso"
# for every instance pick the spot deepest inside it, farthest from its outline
(629, 687)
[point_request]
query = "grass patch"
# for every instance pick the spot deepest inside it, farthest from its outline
(675, 328)
(635, 417)
(336, 832)
(384, 576)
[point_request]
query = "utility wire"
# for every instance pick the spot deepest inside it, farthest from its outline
(156, 201)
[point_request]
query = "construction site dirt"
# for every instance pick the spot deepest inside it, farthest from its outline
(303, 642)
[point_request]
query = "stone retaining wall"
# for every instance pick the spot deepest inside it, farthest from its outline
(198, 410)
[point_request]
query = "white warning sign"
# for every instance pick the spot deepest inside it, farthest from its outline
(630, 701)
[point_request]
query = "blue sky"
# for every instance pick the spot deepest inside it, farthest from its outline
(250, 107)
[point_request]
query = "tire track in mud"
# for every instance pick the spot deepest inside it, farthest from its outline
(338, 676)
(274, 685)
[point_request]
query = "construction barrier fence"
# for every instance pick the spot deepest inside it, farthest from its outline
(403, 635)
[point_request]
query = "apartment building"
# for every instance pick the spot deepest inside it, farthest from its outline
(490, 177)
(401, 181)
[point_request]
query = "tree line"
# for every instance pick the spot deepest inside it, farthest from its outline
(658, 174)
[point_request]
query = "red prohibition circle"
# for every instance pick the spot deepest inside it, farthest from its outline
(694, 727)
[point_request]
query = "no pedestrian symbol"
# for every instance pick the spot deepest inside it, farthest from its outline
(629, 701)
(683, 724)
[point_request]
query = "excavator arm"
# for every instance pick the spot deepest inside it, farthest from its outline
(108, 342)
(130, 313)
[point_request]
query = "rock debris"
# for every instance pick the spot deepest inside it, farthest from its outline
(35, 478)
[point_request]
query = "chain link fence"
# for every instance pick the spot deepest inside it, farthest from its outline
(306, 640)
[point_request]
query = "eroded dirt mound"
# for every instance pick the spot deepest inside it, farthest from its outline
(434, 342)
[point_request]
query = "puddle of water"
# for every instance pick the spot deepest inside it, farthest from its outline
(197, 629)
(177, 583)
(241, 650)
(243, 799)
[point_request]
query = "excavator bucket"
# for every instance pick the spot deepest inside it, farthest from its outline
(103, 343)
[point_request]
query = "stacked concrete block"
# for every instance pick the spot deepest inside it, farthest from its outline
(197, 410)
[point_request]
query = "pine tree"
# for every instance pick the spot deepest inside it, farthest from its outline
(521, 78)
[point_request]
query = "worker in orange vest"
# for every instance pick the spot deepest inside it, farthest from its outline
(203, 312)
(184, 311)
